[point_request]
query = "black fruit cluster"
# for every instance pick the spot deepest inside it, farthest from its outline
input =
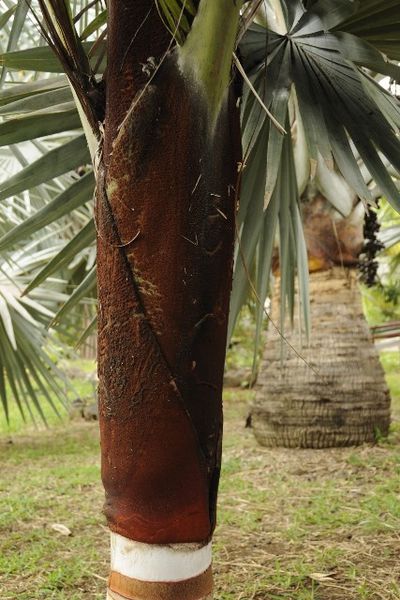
(368, 265)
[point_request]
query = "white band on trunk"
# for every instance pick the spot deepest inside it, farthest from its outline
(150, 562)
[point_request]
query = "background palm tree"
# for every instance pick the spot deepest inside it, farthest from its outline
(328, 238)
(172, 310)
(335, 402)
(336, 394)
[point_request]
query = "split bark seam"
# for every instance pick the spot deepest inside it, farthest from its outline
(105, 203)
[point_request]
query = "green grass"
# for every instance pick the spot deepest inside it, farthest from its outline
(391, 363)
(241, 349)
(82, 387)
(51, 477)
(286, 518)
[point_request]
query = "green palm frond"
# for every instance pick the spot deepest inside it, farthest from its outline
(378, 23)
(42, 209)
(19, 12)
(26, 370)
(178, 16)
(390, 236)
(43, 60)
(315, 77)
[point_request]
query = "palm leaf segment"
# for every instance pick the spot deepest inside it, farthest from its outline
(26, 369)
(378, 23)
(34, 106)
(310, 79)
(177, 16)
(42, 108)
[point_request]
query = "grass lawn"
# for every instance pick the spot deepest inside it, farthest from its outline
(299, 525)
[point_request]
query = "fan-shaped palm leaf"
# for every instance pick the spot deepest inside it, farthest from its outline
(26, 371)
(314, 72)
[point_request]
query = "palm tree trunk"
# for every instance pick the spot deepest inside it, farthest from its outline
(347, 401)
(165, 217)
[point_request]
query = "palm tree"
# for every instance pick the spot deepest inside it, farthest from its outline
(335, 394)
(165, 221)
(163, 129)
(295, 408)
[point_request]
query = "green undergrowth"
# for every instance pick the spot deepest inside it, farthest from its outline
(391, 363)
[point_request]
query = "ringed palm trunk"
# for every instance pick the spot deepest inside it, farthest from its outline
(165, 217)
(340, 397)
(346, 401)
